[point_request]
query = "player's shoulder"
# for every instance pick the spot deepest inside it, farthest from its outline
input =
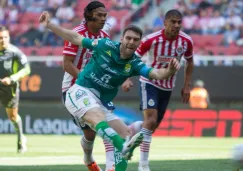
(81, 29)
(109, 43)
(14, 49)
(104, 33)
(185, 36)
(153, 36)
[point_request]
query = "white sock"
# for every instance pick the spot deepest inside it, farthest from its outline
(145, 145)
(136, 127)
(87, 147)
(109, 151)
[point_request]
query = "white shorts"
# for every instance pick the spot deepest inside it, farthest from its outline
(80, 99)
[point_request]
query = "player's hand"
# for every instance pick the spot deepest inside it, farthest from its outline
(6, 81)
(127, 85)
(44, 18)
(185, 93)
(174, 65)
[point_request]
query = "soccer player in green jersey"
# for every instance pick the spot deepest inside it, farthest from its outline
(13, 67)
(112, 63)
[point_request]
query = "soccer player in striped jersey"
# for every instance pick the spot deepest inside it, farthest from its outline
(157, 50)
(75, 59)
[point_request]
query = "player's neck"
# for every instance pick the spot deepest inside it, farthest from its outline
(169, 36)
(92, 29)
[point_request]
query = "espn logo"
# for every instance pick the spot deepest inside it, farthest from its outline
(199, 123)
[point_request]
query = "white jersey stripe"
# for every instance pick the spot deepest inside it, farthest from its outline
(69, 52)
(144, 95)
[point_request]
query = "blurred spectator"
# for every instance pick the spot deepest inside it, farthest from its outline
(231, 34)
(192, 5)
(35, 6)
(216, 23)
(54, 3)
(121, 4)
(147, 29)
(189, 21)
(181, 6)
(53, 9)
(158, 22)
(199, 97)
(203, 22)
(234, 19)
(32, 37)
(3, 3)
(12, 14)
(239, 42)
(65, 13)
(2, 16)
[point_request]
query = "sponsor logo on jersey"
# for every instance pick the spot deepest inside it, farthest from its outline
(179, 50)
(95, 42)
(127, 68)
(110, 44)
(86, 101)
(164, 59)
(88, 55)
(80, 93)
(151, 102)
(108, 52)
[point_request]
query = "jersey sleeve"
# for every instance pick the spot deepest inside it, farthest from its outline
(189, 52)
(92, 44)
(69, 49)
(140, 69)
(21, 57)
(144, 47)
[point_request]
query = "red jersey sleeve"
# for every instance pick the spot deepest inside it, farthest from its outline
(144, 47)
(69, 49)
(189, 52)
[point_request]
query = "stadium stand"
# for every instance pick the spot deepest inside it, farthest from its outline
(212, 25)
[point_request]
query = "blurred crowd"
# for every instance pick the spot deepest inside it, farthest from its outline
(21, 17)
(214, 25)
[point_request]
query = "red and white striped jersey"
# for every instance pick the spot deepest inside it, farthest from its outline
(157, 51)
(82, 55)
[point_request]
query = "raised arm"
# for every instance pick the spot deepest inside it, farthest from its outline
(66, 34)
(164, 73)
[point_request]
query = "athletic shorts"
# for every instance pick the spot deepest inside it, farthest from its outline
(9, 97)
(152, 97)
(80, 99)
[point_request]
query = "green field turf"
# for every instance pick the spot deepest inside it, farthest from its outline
(63, 153)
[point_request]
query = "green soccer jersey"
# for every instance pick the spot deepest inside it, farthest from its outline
(106, 71)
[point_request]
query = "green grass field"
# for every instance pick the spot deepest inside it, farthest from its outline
(63, 153)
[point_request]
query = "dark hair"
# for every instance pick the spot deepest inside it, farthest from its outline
(133, 28)
(90, 7)
(2, 28)
(173, 12)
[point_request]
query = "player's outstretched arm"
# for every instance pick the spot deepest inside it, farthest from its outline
(66, 34)
(164, 73)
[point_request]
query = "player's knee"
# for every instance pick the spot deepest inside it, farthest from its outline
(150, 120)
(89, 134)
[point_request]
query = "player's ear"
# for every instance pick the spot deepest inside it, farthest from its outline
(121, 38)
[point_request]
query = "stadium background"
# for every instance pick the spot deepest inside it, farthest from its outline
(216, 27)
